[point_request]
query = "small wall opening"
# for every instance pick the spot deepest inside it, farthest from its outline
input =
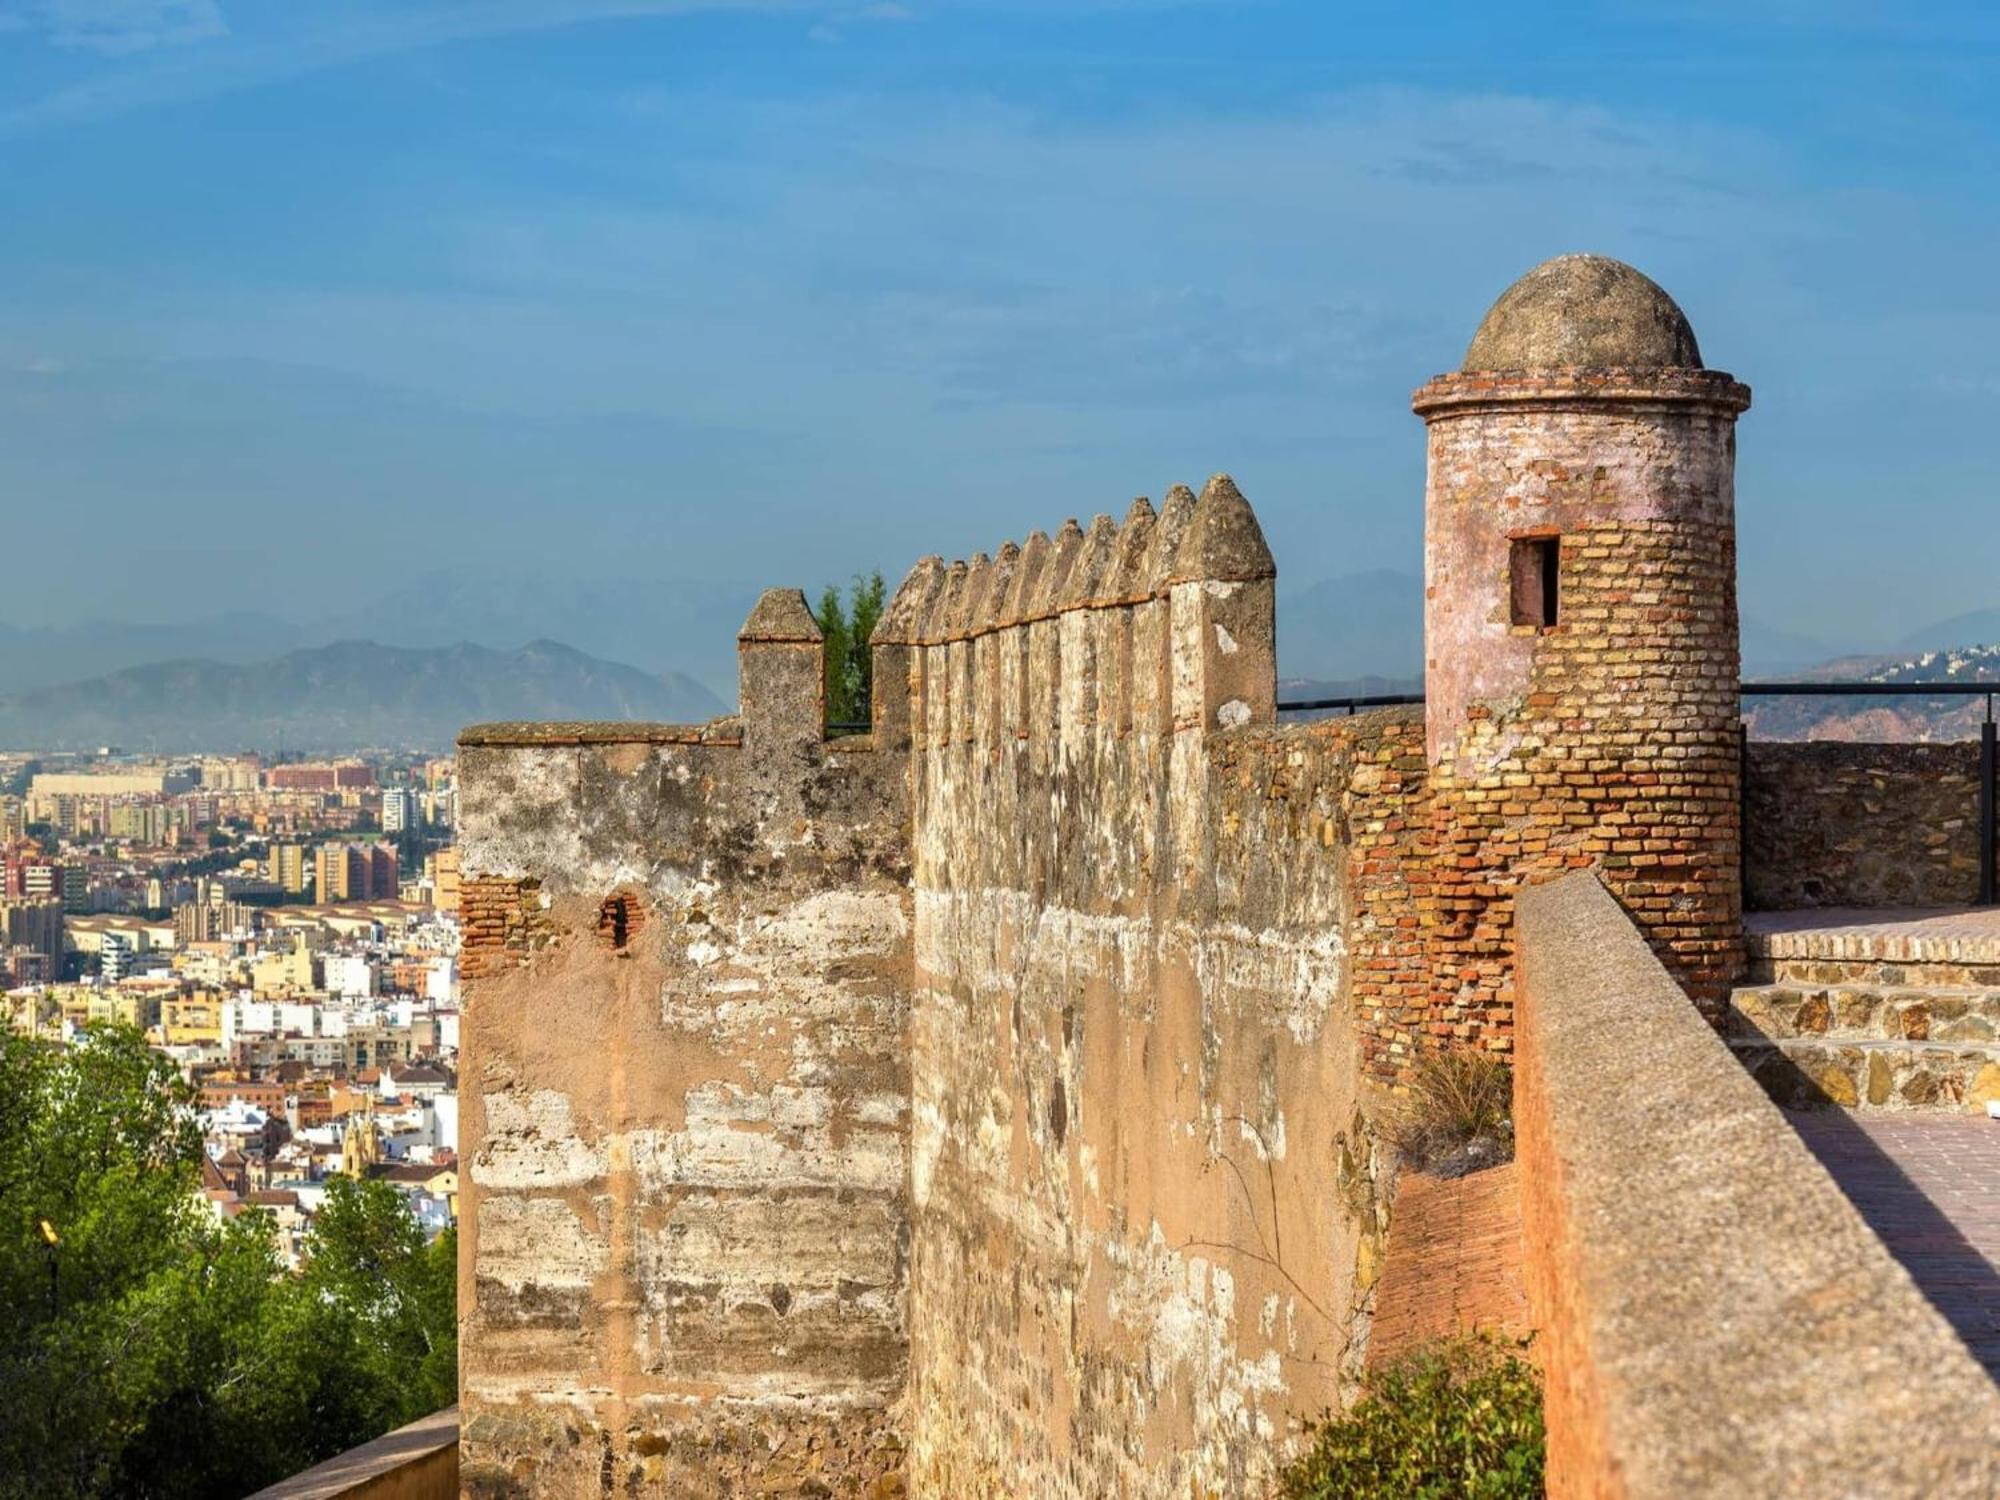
(1536, 576)
(618, 920)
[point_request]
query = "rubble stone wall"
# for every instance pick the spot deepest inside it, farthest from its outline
(684, 1263)
(1838, 824)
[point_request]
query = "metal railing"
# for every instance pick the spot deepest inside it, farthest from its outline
(1989, 749)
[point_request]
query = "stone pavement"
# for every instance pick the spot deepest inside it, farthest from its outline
(1929, 1185)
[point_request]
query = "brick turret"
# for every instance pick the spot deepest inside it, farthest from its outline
(1581, 631)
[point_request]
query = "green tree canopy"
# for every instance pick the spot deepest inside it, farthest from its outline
(849, 662)
(151, 1349)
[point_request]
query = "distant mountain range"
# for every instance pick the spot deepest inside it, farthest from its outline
(214, 681)
(1888, 719)
(658, 625)
(346, 696)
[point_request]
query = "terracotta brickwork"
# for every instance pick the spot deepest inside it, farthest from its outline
(1455, 1263)
(1607, 737)
(501, 921)
(1386, 833)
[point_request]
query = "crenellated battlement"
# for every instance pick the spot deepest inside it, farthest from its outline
(1159, 624)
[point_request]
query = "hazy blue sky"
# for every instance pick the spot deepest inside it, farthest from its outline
(302, 299)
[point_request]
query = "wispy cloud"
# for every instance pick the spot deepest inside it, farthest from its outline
(116, 28)
(299, 41)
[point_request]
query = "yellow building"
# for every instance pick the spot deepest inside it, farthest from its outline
(285, 865)
(446, 874)
(284, 973)
(190, 1022)
(95, 1007)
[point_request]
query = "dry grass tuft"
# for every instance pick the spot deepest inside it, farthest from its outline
(1458, 1116)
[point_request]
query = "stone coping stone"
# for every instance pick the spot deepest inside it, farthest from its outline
(1938, 935)
(602, 732)
(725, 733)
(417, 1462)
(1719, 1318)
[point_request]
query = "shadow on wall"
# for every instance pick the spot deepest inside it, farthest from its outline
(1952, 1272)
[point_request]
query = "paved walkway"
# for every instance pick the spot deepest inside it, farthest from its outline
(1454, 1262)
(1929, 1185)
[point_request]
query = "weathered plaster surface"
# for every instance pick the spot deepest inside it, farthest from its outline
(685, 1258)
(1142, 1188)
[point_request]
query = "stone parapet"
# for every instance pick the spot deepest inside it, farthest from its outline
(1715, 1316)
(1836, 824)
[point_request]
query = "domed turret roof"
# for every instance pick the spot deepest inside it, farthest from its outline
(1584, 312)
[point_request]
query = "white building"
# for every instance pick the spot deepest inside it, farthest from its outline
(402, 810)
(350, 976)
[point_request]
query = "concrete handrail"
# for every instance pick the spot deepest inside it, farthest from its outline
(1716, 1317)
(417, 1462)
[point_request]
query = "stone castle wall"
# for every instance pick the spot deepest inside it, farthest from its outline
(975, 1105)
(685, 1222)
(1836, 824)
(1143, 1190)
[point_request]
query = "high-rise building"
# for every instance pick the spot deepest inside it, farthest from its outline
(402, 810)
(146, 823)
(383, 879)
(445, 871)
(204, 921)
(354, 872)
(36, 924)
(337, 871)
(114, 958)
(49, 880)
(285, 865)
(75, 889)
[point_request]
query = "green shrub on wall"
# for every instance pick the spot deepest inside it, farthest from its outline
(1458, 1419)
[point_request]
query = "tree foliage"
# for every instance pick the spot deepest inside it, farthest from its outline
(849, 662)
(149, 1349)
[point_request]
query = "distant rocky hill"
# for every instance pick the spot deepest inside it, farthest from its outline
(1887, 719)
(347, 696)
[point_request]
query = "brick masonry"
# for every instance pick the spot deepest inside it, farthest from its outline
(1455, 1264)
(1608, 738)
